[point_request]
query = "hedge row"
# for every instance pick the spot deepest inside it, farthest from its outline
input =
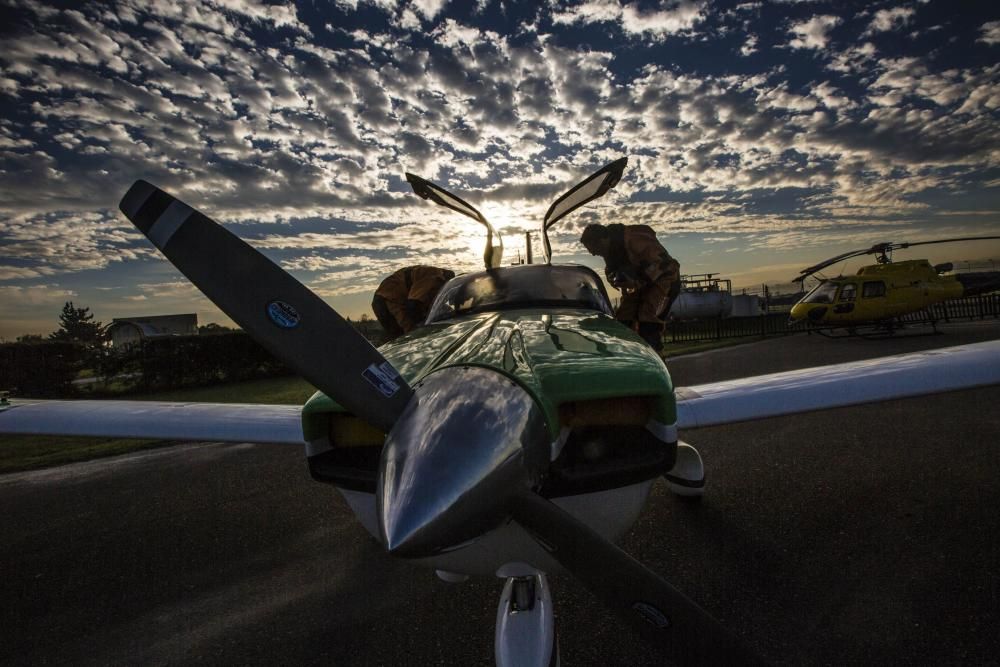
(41, 370)
(47, 369)
(181, 361)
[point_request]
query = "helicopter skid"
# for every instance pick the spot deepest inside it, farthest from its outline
(879, 331)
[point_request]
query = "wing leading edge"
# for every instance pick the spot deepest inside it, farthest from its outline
(215, 422)
(839, 385)
(713, 404)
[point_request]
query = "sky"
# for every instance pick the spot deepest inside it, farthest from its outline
(762, 137)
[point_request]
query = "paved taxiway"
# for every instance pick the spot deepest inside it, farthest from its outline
(864, 535)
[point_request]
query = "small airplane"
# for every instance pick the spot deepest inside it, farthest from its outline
(517, 433)
(878, 295)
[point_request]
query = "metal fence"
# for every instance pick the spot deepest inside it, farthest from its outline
(772, 324)
(776, 324)
(968, 308)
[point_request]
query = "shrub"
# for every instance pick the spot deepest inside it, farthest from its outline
(41, 369)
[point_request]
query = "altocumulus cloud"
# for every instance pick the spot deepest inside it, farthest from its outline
(786, 124)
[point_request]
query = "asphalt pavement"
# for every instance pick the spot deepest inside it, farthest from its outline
(863, 535)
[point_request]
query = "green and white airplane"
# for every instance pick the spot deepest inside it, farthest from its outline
(516, 433)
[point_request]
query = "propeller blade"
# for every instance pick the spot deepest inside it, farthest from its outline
(658, 609)
(278, 311)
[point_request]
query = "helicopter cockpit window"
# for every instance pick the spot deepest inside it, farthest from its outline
(534, 286)
(848, 292)
(873, 289)
(822, 293)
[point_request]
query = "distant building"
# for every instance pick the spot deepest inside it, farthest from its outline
(128, 330)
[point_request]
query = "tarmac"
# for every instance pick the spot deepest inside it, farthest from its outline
(863, 535)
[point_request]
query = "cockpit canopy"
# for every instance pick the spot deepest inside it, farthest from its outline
(526, 286)
(825, 292)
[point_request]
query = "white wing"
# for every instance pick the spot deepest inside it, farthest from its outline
(914, 374)
(928, 372)
(217, 422)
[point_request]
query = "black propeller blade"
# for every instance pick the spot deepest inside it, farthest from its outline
(277, 310)
(656, 608)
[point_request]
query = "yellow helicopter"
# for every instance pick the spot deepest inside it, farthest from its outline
(878, 295)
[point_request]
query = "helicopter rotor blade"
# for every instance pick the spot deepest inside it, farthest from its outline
(966, 238)
(880, 248)
(805, 273)
(277, 310)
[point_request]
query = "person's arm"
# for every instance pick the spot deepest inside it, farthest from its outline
(426, 284)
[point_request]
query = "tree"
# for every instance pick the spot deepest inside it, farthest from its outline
(213, 328)
(77, 325)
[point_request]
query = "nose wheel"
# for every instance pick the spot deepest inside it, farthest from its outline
(526, 630)
(687, 477)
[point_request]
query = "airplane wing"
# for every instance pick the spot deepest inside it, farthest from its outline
(839, 385)
(712, 404)
(214, 422)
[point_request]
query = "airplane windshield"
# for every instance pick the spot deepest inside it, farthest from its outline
(822, 293)
(530, 286)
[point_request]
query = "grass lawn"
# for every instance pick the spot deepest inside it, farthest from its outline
(27, 452)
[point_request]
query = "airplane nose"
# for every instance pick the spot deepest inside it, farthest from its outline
(470, 438)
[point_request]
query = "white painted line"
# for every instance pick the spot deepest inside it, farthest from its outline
(169, 222)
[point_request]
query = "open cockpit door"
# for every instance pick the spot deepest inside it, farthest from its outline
(427, 190)
(594, 186)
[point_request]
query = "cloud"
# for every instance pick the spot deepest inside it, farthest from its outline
(296, 133)
(890, 19)
(990, 33)
(676, 17)
(36, 295)
(429, 8)
(22, 272)
(679, 17)
(813, 33)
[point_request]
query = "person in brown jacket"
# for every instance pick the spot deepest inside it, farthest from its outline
(402, 300)
(648, 277)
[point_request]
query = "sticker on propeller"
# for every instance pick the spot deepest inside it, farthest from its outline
(382, 379)
(283, 314)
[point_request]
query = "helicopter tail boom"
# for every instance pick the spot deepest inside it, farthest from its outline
(981, 282)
